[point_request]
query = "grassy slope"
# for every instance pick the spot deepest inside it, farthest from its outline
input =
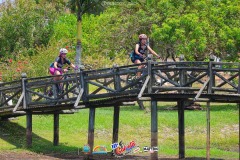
(134, 125)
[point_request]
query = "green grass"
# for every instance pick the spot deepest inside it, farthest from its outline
(134, 125)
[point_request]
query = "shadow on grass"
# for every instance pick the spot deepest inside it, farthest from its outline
(16, 135)
(168, 107)
(213, 107)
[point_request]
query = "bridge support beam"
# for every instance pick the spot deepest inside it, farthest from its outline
(181, 132)
(56, 129)
(154, 129)
(91, 128)
(208, 131)
(29, 128)
(115, 123)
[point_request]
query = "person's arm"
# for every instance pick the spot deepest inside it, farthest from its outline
(73, 66)
(153, 52)
(55, 65)
(136, 50)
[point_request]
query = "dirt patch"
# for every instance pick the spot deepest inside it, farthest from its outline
(56, 156)
(12, 155)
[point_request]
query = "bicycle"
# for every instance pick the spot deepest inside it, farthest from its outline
(133, 76)
(64, 87)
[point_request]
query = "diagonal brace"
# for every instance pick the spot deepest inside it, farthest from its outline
(143, 87)
(201, 90)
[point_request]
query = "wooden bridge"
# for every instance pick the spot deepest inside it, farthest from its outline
(113, 87)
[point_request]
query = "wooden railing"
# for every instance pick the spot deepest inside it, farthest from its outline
(213, 78)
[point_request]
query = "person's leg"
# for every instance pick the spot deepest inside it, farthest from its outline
(137, 61)
(58, 77)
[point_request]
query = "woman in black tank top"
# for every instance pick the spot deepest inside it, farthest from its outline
(140, 50)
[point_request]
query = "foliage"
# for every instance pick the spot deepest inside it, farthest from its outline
(193, 28)
(198, 28)
(24, 26)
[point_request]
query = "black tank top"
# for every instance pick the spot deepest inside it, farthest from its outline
(140, 49)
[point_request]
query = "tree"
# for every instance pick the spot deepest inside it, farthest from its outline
(81, 7)
(24, 26)
(195, 28)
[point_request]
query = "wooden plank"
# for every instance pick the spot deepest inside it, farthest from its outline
(229, 79)
(226, 70)
(195, 79)
(168, 80)
(10, 98)
(224, 79)
(169, 88)
(78, 98)
(102, 86)
(201, 90)
(144, 86)
(105, 95)
(224, 89)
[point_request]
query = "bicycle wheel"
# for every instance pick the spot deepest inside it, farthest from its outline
(130, 79)
(70, 88)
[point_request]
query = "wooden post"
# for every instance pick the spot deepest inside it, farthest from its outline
(115, 124)
(181, 104)
(150, 74)
(181, 132)
(117, 79)
(238, 82)
(208, 131)
(91, 128)
(154, 129)
(56, 129)
(24, 81)
(29, 128)
(84, 85)
(210, 91)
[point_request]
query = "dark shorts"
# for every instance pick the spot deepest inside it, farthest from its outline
(134, 57)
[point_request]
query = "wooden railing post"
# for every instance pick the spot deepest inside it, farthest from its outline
(209, 91)
(84, 85)
(181, 118)
(24, 82)
(117, 80)
(150, 74)
(117, 87)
